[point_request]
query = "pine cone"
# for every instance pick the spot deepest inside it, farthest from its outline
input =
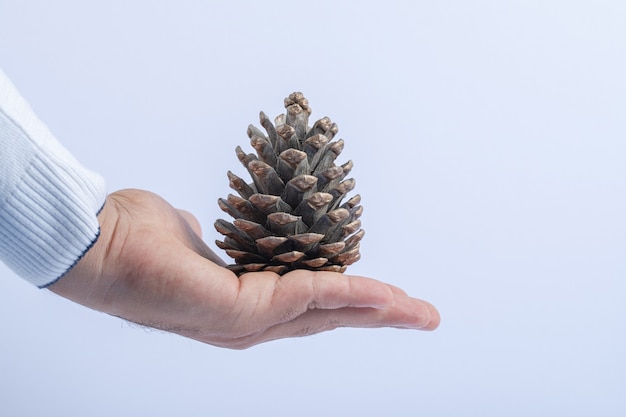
(291, 216)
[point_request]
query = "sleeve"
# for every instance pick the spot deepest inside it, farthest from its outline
(48, 200)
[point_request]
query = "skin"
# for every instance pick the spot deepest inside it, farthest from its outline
(150, 266)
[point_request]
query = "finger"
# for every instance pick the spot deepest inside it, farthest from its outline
(397, 290)
(291, 295)
(407, 313)
(329, 290)
(435, 316)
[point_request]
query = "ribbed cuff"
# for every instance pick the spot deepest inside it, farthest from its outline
(48, 200)
(49, 221)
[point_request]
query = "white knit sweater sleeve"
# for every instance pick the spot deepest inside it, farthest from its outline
(48, 200)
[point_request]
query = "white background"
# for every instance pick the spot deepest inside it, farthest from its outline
(489, 143)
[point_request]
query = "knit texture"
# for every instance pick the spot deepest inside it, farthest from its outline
(48, 200)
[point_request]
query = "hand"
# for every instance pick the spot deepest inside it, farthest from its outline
(150, 266)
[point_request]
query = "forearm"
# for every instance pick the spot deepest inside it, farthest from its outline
(48, 201)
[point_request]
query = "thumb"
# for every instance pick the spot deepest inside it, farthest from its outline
(192, 221)
(197, 244)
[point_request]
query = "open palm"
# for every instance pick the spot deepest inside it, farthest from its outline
(150, 266)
